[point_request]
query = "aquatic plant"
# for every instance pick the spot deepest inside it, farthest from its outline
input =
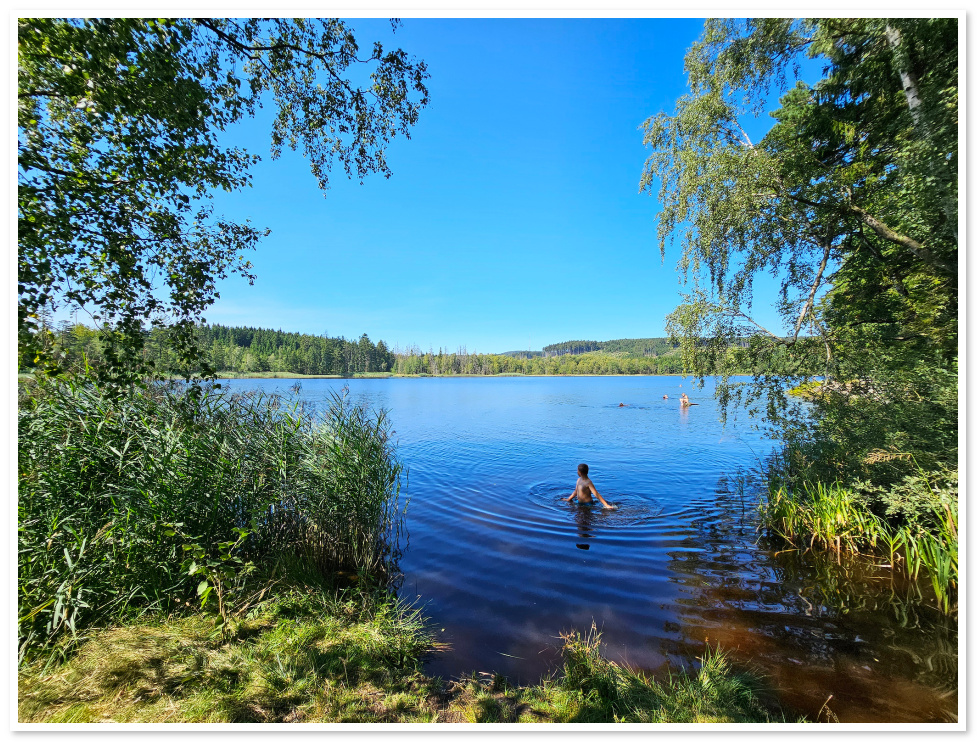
(606, 691)
(830, 516)
(839, 519)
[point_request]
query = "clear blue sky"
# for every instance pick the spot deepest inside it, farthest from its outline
(513, 217)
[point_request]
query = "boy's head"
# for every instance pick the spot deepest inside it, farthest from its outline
(582, 469)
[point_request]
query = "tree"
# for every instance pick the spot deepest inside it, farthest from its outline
(850, 198)
(119, 124)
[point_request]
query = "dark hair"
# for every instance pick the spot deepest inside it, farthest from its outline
(582, 469)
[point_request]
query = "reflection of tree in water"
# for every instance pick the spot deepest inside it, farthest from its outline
(822, 625)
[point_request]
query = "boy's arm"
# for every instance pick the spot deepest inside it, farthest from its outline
(604, 502)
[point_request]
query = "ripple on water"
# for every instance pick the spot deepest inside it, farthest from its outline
(634, 509)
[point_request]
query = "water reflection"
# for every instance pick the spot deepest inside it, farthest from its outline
(503, 565)
(584, 517)
(817, 626)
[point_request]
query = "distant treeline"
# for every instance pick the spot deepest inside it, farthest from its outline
(250, 349)
(450, 364)
(247, 350)
(235, 350)
(637, 347)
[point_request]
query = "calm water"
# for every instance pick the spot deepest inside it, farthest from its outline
(503, 566)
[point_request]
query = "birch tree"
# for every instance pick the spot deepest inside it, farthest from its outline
(119, 150)
(849, 199)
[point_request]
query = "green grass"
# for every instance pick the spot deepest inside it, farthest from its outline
(302, 656)
(306, 655)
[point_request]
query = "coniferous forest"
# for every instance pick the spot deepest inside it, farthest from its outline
(255, 350)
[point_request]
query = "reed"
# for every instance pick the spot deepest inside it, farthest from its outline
(836, 518)
(140, 503)
(829, 516)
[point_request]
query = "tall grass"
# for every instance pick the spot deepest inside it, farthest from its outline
(607, 691)
(837, 518)
(130, 504)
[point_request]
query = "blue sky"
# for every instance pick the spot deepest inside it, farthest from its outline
(513, 218)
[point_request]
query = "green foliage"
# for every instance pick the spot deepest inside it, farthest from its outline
(606, 691)
(633, 347)
(250, 350)
(833, 517)
(246, 350)
(113, 488)
(630, 359)
(919, 528)
(119, 122)
(850, 199)
(224, 574)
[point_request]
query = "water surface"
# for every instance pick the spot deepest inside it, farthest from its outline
(503, 565)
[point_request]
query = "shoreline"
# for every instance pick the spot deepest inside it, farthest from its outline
(378, 375)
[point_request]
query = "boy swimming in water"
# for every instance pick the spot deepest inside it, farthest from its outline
(585, 487)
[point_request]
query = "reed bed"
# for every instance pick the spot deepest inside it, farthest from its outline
(159, 499)
(836, 518)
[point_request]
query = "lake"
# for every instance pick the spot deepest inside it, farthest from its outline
(503, 566)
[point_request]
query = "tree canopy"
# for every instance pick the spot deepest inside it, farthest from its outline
(119, 151)
(850, 199)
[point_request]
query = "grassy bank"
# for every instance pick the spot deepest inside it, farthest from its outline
(307, 655)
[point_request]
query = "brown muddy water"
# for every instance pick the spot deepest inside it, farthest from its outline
(498, 561)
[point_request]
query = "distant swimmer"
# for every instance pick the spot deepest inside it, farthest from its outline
(622, 405)
(664, 396)
(684, 400)
(584, 489)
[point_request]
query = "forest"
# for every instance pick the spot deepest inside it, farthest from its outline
(251, 350)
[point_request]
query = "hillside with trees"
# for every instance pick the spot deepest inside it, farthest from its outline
(632, 347)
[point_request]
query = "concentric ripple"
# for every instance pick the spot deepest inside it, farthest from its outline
(499, 561)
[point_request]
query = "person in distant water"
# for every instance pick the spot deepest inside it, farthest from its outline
(622, 405)
(664, 396)
(585, 488)
(684, 400)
